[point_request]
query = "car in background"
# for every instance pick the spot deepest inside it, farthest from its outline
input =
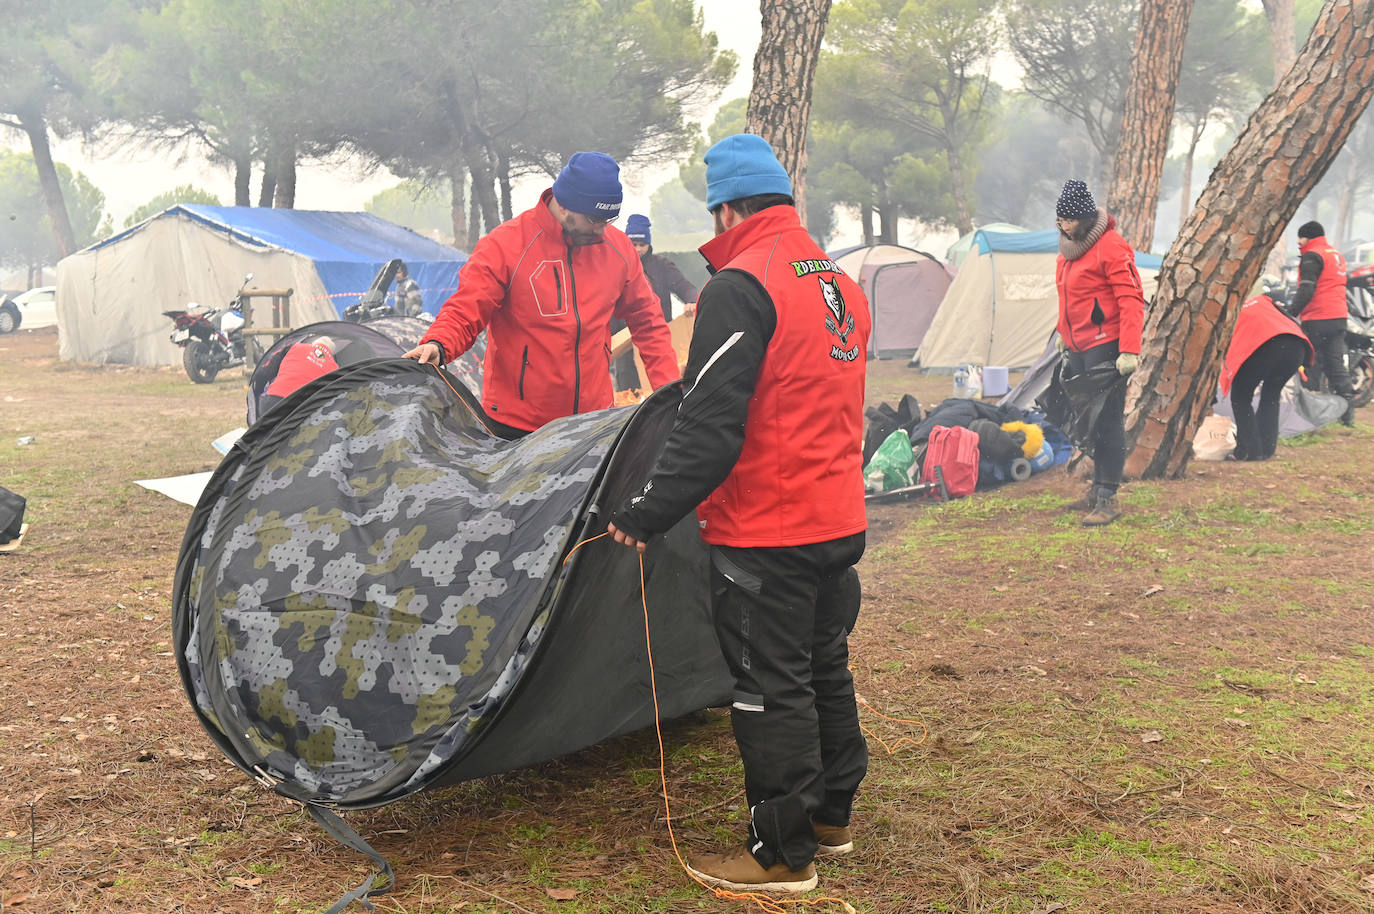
(32, 309)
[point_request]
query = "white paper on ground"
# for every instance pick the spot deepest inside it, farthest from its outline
(185, 489)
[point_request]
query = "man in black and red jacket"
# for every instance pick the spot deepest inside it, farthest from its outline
(768, 444)
(1320, 304)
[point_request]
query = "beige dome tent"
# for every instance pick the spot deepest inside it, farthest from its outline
(1003, 304)
(904, 288)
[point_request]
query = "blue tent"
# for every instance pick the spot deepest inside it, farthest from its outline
(111, 294)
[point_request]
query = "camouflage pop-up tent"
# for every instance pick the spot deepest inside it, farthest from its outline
(375, 596)
(382, 338)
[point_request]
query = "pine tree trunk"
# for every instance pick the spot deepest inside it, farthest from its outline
(1185, 197)
(1283, 152)
(286, 178)
(457, 181)
(1146, 117)
(36, 127)
(1282, 32)
(784, 68)
(243, 174)
(866, 221)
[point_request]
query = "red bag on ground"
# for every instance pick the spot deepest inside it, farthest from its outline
(955, 451)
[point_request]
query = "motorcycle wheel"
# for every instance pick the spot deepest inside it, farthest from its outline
(1362, 379)
(199, 362)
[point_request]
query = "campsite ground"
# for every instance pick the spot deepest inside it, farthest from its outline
(1171, 714)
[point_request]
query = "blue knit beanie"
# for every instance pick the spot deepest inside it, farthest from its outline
(590, 184)
(743, 165)
(637, 228)
(1075, 202)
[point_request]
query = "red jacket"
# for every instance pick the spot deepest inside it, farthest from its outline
(547, 309)
(1100, 297)
(799, 476)
(1328, 299)
(302, 363)
(1259, 321)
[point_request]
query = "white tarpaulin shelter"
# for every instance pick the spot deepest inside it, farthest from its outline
(1003, 304)
(111, 295)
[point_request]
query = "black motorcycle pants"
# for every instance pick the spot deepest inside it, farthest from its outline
(1328, 339)
(783, 616)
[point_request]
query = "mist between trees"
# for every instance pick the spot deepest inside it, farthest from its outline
(465, 97)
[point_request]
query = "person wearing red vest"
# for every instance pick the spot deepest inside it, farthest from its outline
(1101, 313)
(301, 364)
(1320, 304)
(1267, 348)
(545, 286)
(768, 443)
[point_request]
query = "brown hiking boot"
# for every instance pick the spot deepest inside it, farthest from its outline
(1107, 510)
(737, 869)
(833, 840)
(1086, 502)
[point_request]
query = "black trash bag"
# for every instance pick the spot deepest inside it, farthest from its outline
(1075, 403)
(11, 515)
(883, 420)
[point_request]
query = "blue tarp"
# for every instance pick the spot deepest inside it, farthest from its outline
(347, 248)
(1043, 241)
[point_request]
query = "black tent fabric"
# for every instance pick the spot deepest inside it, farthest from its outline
(376, 596)
(384, 337)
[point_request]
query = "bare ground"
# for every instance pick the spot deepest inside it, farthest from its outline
(1171, 714)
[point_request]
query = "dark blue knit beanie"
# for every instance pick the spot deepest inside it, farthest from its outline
(590, 184)
(1075, 202)
(743, 165)
(637, 228)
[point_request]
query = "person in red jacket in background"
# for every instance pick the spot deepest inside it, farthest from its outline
(768, 443)
(545, 286)
(1320, 304)
(1267, 348)
(302, 363)
(1101, 313)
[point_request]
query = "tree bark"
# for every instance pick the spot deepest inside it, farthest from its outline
(457, 180)
(1283, 152)
(286, 178)
(243, 174)
(784, 69)
(36, 128)
(1146, 117)
(1282, 33)
(268, 192)
(866, 221)
(1185, 197)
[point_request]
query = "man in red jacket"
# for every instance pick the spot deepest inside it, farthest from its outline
(768, 442)
(1101, 313)
(545, 286)
(1320, 304)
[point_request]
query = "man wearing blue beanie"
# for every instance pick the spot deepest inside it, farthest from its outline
(767, 447)
(546, 286)
(665, 279)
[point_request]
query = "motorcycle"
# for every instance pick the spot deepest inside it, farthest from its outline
(211, 339)
(372, 305)
(1359, 331)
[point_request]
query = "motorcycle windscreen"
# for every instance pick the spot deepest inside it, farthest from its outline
(369, 578)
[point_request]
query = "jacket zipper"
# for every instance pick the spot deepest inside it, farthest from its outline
(524, 363)
(577, 335)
